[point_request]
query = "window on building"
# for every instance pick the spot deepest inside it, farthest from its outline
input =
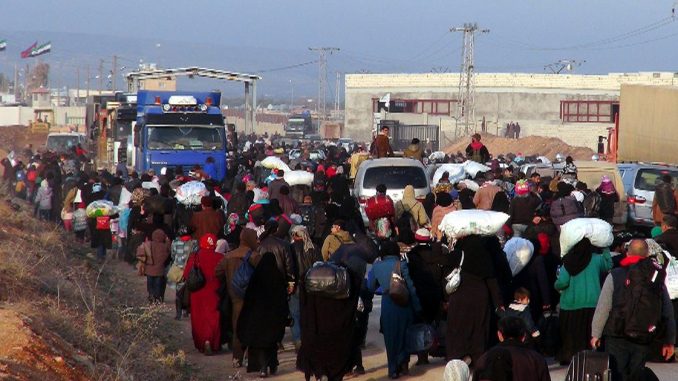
(415, 106)
(588, 111)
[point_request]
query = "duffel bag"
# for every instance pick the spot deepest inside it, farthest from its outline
(328, 280)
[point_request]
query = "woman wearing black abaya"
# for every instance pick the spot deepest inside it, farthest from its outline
(328, 338)
(470, 307)
(261, 325)
(343, 206)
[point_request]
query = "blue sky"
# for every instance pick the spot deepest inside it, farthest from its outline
(375, 36)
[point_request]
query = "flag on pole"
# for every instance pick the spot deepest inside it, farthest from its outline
(42, 49)
(3, 45)
(27, 53)
(386, 100)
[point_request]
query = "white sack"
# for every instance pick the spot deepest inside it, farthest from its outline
(125, 198)
(298, 178)
(671, 280)
(470, 184)
(596, 230)
(472, 168)
(191, 193)
(437, 155)
(518, 253)
(274, 162)
(456, 172)
(462, 223)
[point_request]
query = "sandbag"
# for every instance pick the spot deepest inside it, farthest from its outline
(100, 208)
(518, 253)
(191, 193)
(456, 172)
(298, 178)
(472, 168)
(274, 162)
(596, 230)
(461, 223)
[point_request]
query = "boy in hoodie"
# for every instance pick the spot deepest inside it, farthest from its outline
(43, 201)
(521, 309)
(338, 237)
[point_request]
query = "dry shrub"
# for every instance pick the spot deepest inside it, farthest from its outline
(45, 272)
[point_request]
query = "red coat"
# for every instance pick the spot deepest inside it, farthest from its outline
(205, 314)
(379, 207)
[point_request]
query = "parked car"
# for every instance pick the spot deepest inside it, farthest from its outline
(64, 142)
(640, 180)
(395, 173)
(314, 155)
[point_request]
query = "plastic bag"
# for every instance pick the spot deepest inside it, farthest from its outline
(671, 280)
(470, 184)
(419, 338)
(274, 162)
(125, 198)
(456, 172)
(299, 178)
(101, 208)
(191, 193)
(472, 168)
(462, 223)
(436, 156)
(518, 253)
(596, 230)
(328, 280)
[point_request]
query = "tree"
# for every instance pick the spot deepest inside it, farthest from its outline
(39, 76)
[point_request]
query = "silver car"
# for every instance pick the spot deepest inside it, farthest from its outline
(396, 174)
(639, 181)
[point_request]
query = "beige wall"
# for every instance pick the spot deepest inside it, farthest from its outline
(158, 84)
(648, 124)
(270, 128)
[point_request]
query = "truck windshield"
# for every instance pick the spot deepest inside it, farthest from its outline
(185, 138)
(296, 124)
(61, 143)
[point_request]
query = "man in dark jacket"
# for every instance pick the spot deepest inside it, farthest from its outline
(609, 320)
(477, 151)
(275, 185)
(511, 359)
(272, 243)
(669, 237)
(207, 220)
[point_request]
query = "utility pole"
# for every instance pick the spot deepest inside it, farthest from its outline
(321, 105)
(89, 77)
(101, 75)
(77, 96)
(465, 101)
(337, 93)
(16, 83)
(114, 73)
(26, 74)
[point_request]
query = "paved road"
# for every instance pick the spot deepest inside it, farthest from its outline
(218, 367)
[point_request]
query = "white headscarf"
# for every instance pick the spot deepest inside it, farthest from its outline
(456, 370)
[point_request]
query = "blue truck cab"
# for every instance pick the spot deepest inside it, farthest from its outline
(177, 128)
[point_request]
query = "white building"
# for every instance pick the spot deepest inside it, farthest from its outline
(575, 108)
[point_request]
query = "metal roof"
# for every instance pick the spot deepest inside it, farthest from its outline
(190, 72)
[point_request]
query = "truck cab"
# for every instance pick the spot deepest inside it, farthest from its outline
(179, 129)
(64, 142)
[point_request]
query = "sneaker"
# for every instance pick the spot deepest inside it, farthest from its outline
(208, 349)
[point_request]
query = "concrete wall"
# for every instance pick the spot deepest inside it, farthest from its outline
(262, 127)
(647, 124)
(24, 115)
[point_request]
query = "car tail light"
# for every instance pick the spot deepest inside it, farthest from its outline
(362, 200)
(635, 200)
(421, 198)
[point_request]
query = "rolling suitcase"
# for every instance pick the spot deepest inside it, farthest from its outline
(589, 366)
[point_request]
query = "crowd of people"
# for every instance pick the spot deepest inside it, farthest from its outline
(243, 263)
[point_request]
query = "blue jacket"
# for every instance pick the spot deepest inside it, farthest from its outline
(381, 278)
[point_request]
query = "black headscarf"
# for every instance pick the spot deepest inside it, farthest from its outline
(576, 260)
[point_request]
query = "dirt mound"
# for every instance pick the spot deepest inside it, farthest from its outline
(28, 355)
(530, 145)
(17, 137)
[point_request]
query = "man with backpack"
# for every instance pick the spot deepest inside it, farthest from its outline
(477, 151)
(633, 310)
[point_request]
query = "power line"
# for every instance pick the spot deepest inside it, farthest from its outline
(287, 67)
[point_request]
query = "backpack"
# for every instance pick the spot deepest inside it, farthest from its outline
(565, 209)
(665, 199)
(407, 226)
(242, 276)
(382, 228)
(643, 296)
(32, 175)
(592, 204)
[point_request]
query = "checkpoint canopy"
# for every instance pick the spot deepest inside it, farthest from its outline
(250, 81)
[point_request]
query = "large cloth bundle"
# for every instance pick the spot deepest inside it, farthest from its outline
(470, 184)
(518, 253)
(191, 193)
(672, 277)
(298, 178)
(472, 168)
(463, 223)
(125, 198)
(274, 162)
(328, 280)
(456, 172)
(596, 230)
(437, 156)
(101, 208)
